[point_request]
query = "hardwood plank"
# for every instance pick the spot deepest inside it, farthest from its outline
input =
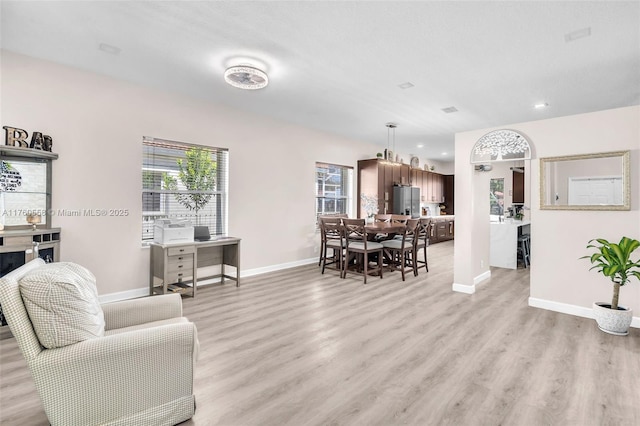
(296, 347)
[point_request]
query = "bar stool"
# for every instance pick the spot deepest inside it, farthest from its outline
(524, 249)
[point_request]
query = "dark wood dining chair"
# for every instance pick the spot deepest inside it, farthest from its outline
(382, 218)
(421, 242)
(400, 218)
(334, 241)
(358, 248)
(401, 252)
(329, 218)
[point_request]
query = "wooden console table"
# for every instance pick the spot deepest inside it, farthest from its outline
(174, 267)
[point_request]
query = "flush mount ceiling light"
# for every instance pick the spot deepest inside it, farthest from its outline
(541, 105)
(246, 77)
(501, 145)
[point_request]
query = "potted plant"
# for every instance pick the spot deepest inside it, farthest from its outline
(614, 262)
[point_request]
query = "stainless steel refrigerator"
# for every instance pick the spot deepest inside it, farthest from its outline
(406, 200)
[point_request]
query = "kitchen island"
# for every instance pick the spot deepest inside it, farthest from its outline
(503, 245)
(443, 228)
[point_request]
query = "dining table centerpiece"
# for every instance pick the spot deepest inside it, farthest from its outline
(370, 206)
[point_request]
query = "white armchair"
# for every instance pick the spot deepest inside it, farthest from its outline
(139, 373)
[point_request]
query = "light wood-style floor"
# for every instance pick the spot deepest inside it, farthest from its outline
(299, 348)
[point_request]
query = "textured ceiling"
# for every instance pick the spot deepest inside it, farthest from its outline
(336, 66)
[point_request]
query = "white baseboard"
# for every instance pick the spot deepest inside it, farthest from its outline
(144, 291)
(124, 295)
(470, 289)
(273, 268)
(482, 277)
(565, 308)
(463, 288)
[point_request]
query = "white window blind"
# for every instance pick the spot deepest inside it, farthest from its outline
(184, 181)
(333, 189)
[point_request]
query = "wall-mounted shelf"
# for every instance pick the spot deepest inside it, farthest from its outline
(14, 151)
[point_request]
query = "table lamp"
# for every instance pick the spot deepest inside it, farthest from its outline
(34, 219)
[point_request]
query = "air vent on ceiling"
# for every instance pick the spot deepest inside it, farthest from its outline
(406, 85)
(574, 35)
(450, 109)
(107, 48)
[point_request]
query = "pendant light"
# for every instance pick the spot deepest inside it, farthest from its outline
(391, 126)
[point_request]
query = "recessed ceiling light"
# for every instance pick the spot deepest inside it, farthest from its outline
(246, 77)
(450, 109)
(107, 48)
(574, 35)
(444, 153)
(406, 85)
(541, 105)
(420, 146)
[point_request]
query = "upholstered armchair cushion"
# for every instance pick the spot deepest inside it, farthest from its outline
(62, 302)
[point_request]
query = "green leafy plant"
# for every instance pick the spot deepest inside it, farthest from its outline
(613, 261)
(198, 174)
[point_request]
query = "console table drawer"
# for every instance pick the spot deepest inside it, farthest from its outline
(174, 277)
(175, 251)
(180, 263)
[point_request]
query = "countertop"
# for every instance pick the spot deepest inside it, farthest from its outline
(512, 222)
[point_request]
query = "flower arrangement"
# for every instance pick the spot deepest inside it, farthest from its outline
(369, 204)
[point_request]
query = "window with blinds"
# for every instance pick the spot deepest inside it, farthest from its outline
(333, 189)
(184, 181)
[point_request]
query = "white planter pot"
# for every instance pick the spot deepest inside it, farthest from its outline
(610, 321)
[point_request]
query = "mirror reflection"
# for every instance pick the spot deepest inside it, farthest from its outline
(585, 182)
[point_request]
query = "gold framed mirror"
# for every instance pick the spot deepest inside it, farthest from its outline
(585, 182)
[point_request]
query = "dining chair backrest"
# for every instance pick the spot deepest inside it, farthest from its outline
(331, 218)
(382, 218)
(354, 230)
(325, 219)
(333, 230)
(400, 218)
(423, 231)
(411, 227)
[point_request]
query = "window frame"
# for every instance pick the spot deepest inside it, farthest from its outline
(346, 188)
(217, 207)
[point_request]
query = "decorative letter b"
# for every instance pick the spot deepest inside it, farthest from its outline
(16, 137)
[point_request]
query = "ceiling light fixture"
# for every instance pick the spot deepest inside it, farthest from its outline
(420, 145)
(541, 105)
(450, 109)
(246, 77)
(389, 127)
(406, 85)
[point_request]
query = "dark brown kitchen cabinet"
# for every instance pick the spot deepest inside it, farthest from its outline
(518, 187)
(377, 177)
(448, 193)
(442, 230)
(431, 185)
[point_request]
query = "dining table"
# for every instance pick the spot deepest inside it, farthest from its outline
(384, 227)
(389, 228)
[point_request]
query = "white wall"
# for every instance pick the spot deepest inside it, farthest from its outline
(97, 124)
(559, 280)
